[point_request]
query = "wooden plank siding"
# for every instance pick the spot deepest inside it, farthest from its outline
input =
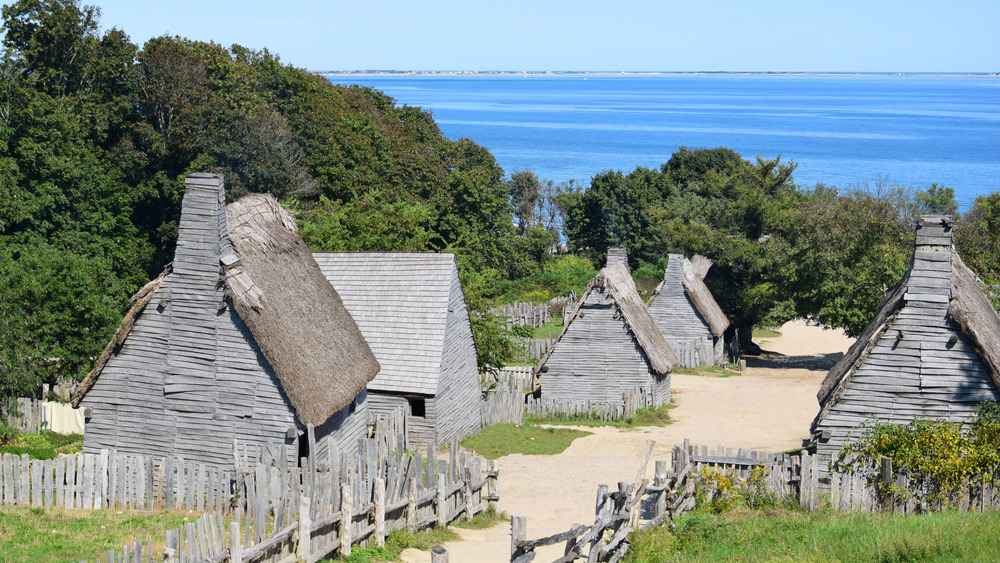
(190, 378)
(597, 358)
(411, 309)
(922, 364)
(682, 325)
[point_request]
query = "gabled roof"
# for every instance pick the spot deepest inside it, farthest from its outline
(936, 275)
(616, 281)
(275, 286)
(400, 302)
(691, 275)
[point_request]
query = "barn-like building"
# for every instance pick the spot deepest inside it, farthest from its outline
(609, 347)
(932, 350)
(411, 309)
(687, 313)
(241, 338)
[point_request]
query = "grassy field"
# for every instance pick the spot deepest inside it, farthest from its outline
(43, 445)
(761, 332)
(551, 329)
(712, 371)
(784, 535)
(659, 416)
(505, 439)
(55, 534)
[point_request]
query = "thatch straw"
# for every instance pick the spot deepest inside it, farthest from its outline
(293, 312)
(617, 281)
(702, 298)
(974, 313)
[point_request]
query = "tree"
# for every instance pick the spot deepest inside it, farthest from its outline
(525, 195)
(937, 200)
(977, 237)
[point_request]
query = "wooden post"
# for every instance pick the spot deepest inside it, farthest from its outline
(660, 480)
(304, 550)
(411, 504)
(492, 484)
(886, 476)
(442, 511)
(235, 545)
(469, 508)
(380, 511)
(601, 505)
(439, 554)
(346, 519)
(804, 478)
(518, 533)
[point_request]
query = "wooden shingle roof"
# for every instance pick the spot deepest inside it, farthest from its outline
(400, 302)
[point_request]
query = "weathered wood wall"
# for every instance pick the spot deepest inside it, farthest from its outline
(598, 359)
(680, 322)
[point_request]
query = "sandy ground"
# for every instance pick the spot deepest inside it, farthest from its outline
(769, 407)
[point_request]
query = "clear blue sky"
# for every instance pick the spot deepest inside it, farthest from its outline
(729, 35)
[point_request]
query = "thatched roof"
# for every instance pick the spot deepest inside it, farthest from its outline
(702, 298)
(616, 281)
(967, 305)
(295, 315)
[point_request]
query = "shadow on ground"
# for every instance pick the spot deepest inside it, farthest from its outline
(774, 360)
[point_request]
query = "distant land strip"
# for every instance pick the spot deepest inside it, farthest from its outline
(629, 73)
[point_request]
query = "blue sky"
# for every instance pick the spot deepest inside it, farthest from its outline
(630, 35)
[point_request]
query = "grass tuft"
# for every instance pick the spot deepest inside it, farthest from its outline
(485, 519)
(712, 371)
(659, 416)
(505, 439)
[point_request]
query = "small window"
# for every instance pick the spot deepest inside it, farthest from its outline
(353, 406)
(417, 407)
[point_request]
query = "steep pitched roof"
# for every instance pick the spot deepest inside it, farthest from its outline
(691, 275)
(617, 282)
(274, 285)
(936, 275)
(400, 302)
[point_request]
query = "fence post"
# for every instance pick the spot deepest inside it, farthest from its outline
(304, 550)
(442, 512)
(235, 545)
(346, 519)
(660, 480)
(601, 505)
(411, 504)
(492, 485)
(439, 554)
(380, 512)
(469, 508)
(518, 533)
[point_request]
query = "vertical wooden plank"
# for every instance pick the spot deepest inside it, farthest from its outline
(235, 545)
(36, 483)
(440, 505)
(518, 533)
(346, 520)
(304, 551)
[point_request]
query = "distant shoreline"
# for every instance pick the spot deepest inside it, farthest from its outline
(629, 73)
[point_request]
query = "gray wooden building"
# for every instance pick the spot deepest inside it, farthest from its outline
(217, 347)
(932, 350)
(687, 313)
(411, 309)
(610, 346)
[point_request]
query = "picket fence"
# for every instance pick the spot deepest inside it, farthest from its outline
(535, 348)
(504, 403)
(32, 416)
(327, 518)
(521, 313)
(630, 403)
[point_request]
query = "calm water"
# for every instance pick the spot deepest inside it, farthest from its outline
(841, 130)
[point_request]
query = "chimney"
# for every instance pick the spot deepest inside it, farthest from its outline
(931, 278)
(617, 255)
(934, 233)
(201, 231)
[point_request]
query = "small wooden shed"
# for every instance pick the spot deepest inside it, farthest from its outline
(610, 346)
(687, 313)
(932, 350)
(241, 338)
(411, 309)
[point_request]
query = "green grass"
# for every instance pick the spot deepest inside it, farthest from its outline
(505, 439)
(55, 534)
(760, 332)
(659, 416)
(783, 535)
(713, 371)
(44, 445)
(485, 519)
(551, 329)
(396, 543)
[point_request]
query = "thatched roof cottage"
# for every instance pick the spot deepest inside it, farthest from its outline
(687, 314)
(411, 309)
(609, 347)
(932, 350)
(218, 348)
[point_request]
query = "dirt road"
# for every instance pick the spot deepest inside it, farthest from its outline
(769, 407)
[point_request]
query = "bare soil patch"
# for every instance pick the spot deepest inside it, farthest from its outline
(768, 407)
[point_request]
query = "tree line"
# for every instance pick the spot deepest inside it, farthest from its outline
(97, 134)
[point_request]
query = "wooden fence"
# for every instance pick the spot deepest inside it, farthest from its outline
(504, 403)
(537, 315)
(633, 506)
(630, 403)
(32, 417)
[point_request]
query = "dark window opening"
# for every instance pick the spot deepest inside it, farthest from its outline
(303, 447)
(417, 407)
(353, 407)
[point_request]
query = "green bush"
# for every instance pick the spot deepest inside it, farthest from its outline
(937, 450)
(44, 445)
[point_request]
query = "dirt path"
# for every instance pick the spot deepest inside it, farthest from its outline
(769, 407)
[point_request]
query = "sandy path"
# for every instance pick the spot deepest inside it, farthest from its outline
(769, 407)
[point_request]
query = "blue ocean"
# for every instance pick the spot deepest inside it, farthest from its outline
(841, 130)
